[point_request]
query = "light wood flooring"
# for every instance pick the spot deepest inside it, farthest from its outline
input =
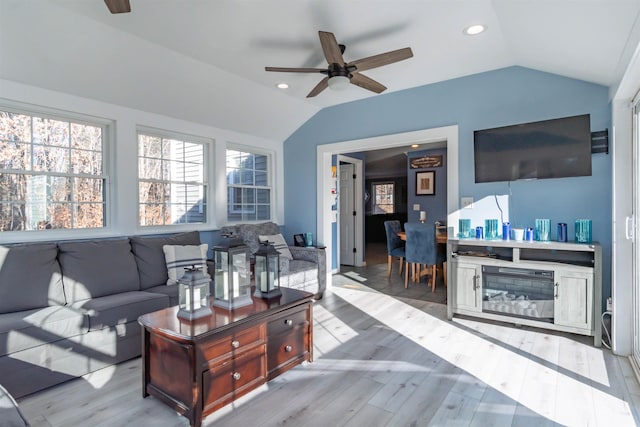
(384, 357)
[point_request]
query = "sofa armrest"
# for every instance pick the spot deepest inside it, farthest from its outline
(316, 255)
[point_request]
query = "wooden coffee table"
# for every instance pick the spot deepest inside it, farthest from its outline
(198, 366)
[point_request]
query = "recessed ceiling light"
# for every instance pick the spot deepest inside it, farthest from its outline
(414, 146)
(282, 86)
(474, 29)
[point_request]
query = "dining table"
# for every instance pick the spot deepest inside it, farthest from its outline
(441, 235)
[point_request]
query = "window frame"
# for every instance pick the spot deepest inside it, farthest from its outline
(107, 129)
(208, 166)
(271, 179)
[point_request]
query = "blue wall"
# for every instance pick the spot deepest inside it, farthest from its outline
(435, 206)
(496, 98)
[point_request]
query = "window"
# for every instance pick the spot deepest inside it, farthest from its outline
(383, 198)
(171, 182)
(51, 173)
(248, 187)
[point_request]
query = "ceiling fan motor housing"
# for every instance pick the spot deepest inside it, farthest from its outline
(339, 70)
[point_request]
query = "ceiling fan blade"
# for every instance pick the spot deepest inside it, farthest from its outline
(330, 48)
(118, 6)
(381, 59)
(296, 70)
(324, 83)
(367, 83)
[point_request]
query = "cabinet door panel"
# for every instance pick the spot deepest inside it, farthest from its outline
(466, 280)
(574, 299)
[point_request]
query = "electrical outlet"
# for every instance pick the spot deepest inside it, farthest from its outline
(466, 202)
(416, 206)
(609, 304)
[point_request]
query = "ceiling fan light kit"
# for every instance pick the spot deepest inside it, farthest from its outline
(340, 73)
(339, 82)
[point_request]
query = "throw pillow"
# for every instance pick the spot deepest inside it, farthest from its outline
(179, 257)
(278, 242)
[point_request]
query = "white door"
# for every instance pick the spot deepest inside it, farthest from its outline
(347, 215)
(636, 242)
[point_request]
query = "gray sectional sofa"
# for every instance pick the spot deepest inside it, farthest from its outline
(70, 308)
(307, 270)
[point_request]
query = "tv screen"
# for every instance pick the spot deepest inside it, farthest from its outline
(548, 149)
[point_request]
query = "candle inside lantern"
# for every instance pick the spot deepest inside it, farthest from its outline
(263, 281)
(236, 284)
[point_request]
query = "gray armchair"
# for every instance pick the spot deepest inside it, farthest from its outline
(307, 270)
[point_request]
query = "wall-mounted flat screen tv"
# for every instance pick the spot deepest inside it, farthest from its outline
(548, 149)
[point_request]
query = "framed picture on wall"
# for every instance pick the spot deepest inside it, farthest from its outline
(426, 183)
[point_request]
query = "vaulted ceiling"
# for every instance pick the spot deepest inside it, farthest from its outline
(203, 60)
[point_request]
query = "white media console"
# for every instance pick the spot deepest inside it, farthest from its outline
(550, 285)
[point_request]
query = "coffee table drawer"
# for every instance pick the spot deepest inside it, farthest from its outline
(286, 348)
(233, 343)
(287, 322)
(234, 377)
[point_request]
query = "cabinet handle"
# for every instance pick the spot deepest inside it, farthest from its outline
(557, 286)
(288, 322)
(235, 344)
(288, 348)
(236, 376)
(475, 280)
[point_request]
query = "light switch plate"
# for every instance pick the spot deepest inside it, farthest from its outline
(466, 202)
(416, 206)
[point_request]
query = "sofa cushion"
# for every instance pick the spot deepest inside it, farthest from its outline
(169, 291)
(112, 310)
(31, 328)
(278, 242)
(97, 268)
(150, 256)
(180, 257)
(30, 277)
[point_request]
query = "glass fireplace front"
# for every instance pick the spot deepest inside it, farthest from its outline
(518, 292)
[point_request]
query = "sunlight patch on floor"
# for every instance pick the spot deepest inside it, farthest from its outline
(355, 276)
(575, 402)
(100, 378)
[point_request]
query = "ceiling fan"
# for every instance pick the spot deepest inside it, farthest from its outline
(118, 6)
(340, 73)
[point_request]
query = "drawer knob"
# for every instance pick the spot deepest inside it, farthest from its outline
(288, 348)
(288, 322)
(236, 376)
(235, 344)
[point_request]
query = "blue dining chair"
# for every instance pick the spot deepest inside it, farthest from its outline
(395, 245)
(420, 250)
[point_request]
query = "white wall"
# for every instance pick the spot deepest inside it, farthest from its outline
(123, 167)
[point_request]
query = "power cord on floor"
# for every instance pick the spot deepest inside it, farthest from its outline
(606, 331)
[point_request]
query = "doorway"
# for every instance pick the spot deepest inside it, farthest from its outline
(325, 198)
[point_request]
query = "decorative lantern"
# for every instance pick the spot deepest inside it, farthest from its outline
(193, 294)
(267, 271)
(232, 286)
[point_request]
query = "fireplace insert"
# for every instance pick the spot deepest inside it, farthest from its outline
(518, 292)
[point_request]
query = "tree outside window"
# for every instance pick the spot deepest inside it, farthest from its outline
(383, 201)
(171, 183)
(51, 173)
